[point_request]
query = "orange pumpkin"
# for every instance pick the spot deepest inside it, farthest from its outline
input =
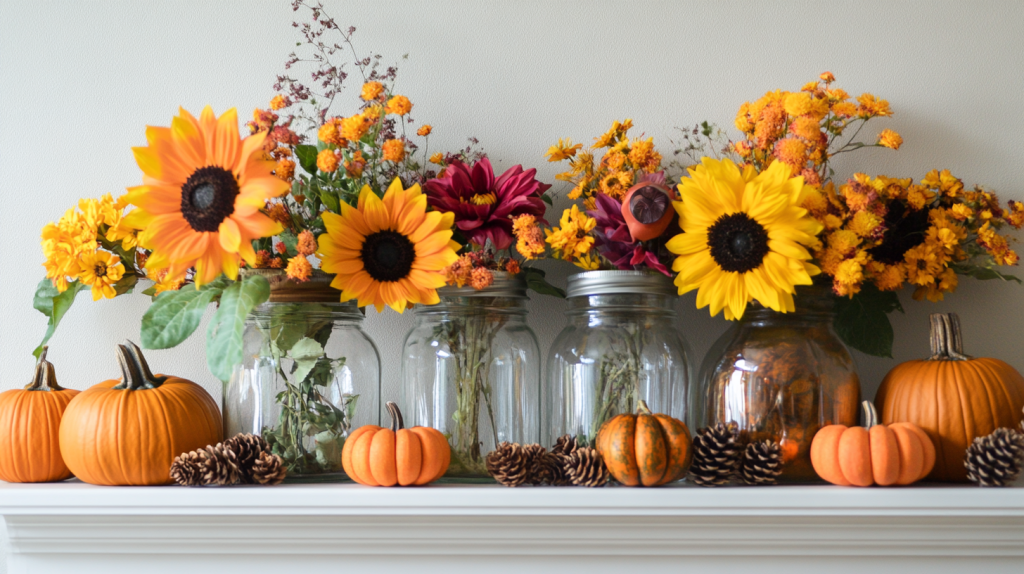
(900, 453)
(952, 396)
(128, 432)
(29, 427)
(377, 456)
(645, 449)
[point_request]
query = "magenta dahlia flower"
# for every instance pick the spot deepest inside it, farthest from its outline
(484, 206)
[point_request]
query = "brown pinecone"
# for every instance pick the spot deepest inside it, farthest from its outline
(533, 453)
(220, 467)
(585, 467)
(762, 463)
(186, 470)
(268, 469)
(247, 448)
(716, 455)
(995, 459)
(565, 444)
(550, 469)
(508, 464)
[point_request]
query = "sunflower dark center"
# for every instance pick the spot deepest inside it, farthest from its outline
(904, 230)
(388, 255)
(100, 269)
(208, 197)
(738, 243)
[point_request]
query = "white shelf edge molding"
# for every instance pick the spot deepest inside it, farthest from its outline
(72, 527)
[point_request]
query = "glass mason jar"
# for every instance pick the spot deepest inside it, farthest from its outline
(621, 345)
(471, 369)
(309, 375)
(781, 376)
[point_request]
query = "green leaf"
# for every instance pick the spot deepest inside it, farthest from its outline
(985, 274)
(290, 241)
(307, 157)
(331, 201)
(863, 321)
(224, 335)
(54, 304)
(126, 284)
(535, 280)
(305, 353)
(546, 199)
(174, 315)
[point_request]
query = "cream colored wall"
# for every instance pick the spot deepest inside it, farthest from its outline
(80, 80)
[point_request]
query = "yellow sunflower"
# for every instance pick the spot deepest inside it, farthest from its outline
(202, 191)
(744, 238)
(388, 252)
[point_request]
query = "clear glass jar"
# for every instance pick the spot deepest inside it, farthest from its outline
(781, 376)
(621, 345)
(310, 375)
(471, 369)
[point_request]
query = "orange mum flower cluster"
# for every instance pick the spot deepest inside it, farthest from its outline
(805, 129)
(893, 232)
(529, 237)
(624, 162)
(477, 269)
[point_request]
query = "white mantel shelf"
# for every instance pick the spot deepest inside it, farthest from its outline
(74, 527)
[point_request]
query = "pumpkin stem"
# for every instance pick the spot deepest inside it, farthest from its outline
(642, 408)
(135, 373)
(947, 341)
(868, 414)
(397, 423)
(45, 377)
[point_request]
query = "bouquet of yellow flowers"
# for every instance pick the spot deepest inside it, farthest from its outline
(785, 223)
(622, 215)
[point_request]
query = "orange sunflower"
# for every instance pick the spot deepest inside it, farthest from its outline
(202, 191)
(388, 252)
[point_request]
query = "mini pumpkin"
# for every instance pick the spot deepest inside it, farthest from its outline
(645, 449)
(647, 209)
(127, 432)
(30, 426)
(900, 453)
(953, 397)
(377, 456)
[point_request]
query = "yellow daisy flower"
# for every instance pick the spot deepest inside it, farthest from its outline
(101, 270)
(744, 238)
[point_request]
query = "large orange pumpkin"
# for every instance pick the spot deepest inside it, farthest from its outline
(377, 456)
(29, 428)
(900, 453)
(953, 397)
(645, 449)
(127, 432)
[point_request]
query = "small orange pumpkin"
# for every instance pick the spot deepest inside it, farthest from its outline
(647, 209)
(127, 432)
(377, 456)
(953, 397)
(645, 449)
(30, 426)
(900, 453)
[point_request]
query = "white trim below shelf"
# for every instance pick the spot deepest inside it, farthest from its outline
(452, 528)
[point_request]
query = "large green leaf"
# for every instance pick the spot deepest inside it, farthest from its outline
(224, 335)
(54, 305)
(862, 322)
(306, 352)
(174, 315)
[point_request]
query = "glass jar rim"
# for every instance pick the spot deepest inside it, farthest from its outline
(619, 282)
(347, 310)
